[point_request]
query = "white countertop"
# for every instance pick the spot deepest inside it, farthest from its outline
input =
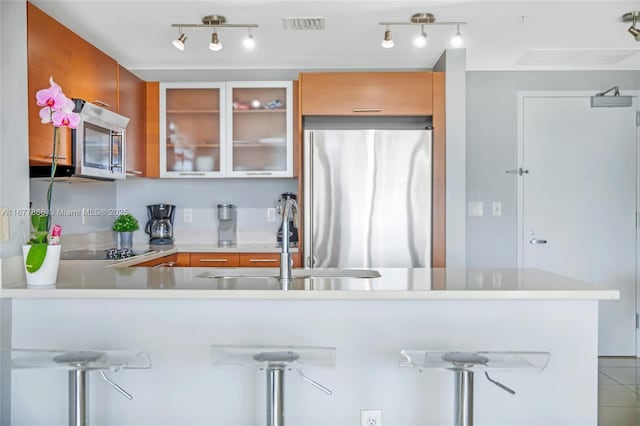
(97, 279)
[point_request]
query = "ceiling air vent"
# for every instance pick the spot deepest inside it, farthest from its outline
(575, 57)
(291, 24)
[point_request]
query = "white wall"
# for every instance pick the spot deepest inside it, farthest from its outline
(14, 183)
(14, 149)
(492, 149)
(183, 388)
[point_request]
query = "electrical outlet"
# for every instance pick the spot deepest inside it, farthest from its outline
(475, 208)
(4, 225)
(188, 215)
(370, 417)
(271, 215)
(496, 208)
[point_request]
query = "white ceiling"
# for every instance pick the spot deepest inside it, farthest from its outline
(500, 35)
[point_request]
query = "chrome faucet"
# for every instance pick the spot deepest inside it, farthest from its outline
(289, 210)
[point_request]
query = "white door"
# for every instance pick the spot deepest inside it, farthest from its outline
(578, 202)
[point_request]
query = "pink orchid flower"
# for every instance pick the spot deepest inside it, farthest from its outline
(58, 109)
(65, 118)
(52, 97)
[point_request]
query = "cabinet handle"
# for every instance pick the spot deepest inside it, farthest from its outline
(191, 173)
(102, 104)
(263, 260)
(165, 264)
(366, 109)
(214, 260)
(59, 157)
(259, 173)
(134, 172)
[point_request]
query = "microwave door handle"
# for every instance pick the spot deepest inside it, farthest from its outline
(111, 165)
(112, 137)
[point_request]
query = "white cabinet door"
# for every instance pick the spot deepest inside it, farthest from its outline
(578, 202)
(192, 130)
(259, 129)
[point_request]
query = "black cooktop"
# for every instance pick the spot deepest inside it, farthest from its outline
(102, 254)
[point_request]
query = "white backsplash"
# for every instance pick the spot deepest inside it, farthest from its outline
(104, 200)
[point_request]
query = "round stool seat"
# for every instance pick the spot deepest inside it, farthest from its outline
(275, 360)
(78, 363)
(464, 364)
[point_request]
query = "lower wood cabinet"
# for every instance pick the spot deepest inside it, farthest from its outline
(215, 260)
(178, 259)
(260, 260)
(222, 260)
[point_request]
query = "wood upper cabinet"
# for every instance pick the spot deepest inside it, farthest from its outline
(82, 70)
(48, 56)
(366, 93)
(95, 75)
(131, 104)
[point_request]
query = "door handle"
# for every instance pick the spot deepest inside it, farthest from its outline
(537, 241)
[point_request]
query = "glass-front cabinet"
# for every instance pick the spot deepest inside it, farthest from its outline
(260, 129)
(192, 132)
(232, 129)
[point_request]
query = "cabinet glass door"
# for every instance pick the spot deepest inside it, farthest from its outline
(260, 128)
(192, 131)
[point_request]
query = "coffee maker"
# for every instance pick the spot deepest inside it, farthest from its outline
(226, 225)
(160, 224)
(293, 230)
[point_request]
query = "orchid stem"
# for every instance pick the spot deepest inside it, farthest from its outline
(54, 165)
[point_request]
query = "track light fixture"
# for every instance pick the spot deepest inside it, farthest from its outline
(634, 17)
(457, 40)
(387, 42)
(179, 42)
(215, 44)
(420, 40)
(215, 22)
(249, 42)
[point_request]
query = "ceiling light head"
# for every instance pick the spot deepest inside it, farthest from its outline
(387, 43)
(249, 42)
(420, 41)
(633, 17)
(179, 42)
(215, 44)
(457, 40)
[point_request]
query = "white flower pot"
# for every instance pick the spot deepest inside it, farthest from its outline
(48, 272)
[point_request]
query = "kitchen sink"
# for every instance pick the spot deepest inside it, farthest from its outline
(296, 273)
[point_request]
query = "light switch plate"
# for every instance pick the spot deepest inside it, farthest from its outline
(271, 214)
(475, 208)
(188, 215)
(496, 208)
(4, 225)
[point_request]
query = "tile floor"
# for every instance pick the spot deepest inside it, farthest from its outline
(618, 391)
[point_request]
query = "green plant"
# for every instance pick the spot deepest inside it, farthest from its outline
(126, 223)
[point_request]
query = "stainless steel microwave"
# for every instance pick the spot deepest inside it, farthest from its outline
(98, 146)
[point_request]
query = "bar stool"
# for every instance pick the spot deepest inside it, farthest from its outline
(465, 364)
(79, 363)
(275, 360)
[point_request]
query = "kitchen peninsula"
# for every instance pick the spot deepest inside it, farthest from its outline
(176, 314)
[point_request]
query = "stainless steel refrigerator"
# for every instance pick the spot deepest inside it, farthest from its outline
(367, 198)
